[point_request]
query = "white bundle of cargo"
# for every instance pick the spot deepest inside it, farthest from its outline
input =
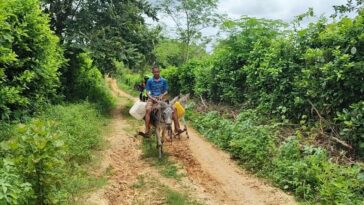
(138, 110)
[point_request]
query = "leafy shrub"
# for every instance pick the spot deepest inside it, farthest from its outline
(304, 170)
(42, 160)
(30, 58)
(182, 80)
(82, 126)
(214, 128)
(128, 79)
(352, 126)
(204, 80)
(5, 131)
(253, 146)
(85, 81)
(13, 188)
(39, 154)
(311, 176)
(171, 74)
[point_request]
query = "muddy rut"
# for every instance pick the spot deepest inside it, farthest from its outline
(211, 177)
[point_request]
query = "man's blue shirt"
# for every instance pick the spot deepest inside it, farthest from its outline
(156, 87)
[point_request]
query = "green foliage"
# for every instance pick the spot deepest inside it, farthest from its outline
(304, 170)
(253, 145)
(171, 74)
(308, 173)
(83, 125)
(352, 126)
(182, 79)
(108, 29)
(13, 188)
(85, 81)
(282, 72)
(171, 53)
(128, 79)
(39, 154)
(30, 58)
(190, 17)
(5, 131)
(229, 84)
(214, 128)
(41, 161)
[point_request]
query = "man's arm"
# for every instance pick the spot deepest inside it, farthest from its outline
(148, 88)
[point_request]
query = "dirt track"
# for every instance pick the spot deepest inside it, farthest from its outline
(211, 176)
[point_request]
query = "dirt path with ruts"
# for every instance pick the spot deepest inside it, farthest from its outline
(211, 177)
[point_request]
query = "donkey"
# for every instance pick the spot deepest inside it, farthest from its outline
(183, 100)
(161, 119)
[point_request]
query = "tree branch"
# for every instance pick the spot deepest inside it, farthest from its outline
(331, 128)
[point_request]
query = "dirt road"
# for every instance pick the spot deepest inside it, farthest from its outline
(210, 176)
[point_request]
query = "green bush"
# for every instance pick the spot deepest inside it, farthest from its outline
(253, 146)
(83, 81)
(182, 80)
(289, 74)
(14, 190)
(39, 154)
(42, 159)
(171, 75)
(310, 175)
(128, 79)
(304, 170)
(214, 127)
(352, 126)
(5, 131)
(30, 58)
(82, 126)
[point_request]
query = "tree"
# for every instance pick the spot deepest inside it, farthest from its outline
(29, 60)
(109, 29)
(190, 18)
(349, 7)
(170, 52)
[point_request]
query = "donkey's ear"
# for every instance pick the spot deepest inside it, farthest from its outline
(163, 104)
(184, 98)
(173, 101)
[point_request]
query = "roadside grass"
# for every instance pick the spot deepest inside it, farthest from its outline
(83, 126)
(127, 88)
(178, 198)
(64, 138)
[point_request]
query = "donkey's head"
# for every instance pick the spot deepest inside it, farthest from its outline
(167, 111)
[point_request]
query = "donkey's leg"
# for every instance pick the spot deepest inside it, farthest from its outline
(170, 133)
(163, 134)
(185, 126)
(159, 144)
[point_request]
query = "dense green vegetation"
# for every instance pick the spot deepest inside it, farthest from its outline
(53, 96)
(110, 30)
(42, 160)
(30, 59)
(294, 165)
(295, 94)
(300, 96)
(313, 74)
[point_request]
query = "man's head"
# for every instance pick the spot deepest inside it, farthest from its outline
(155, 71)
